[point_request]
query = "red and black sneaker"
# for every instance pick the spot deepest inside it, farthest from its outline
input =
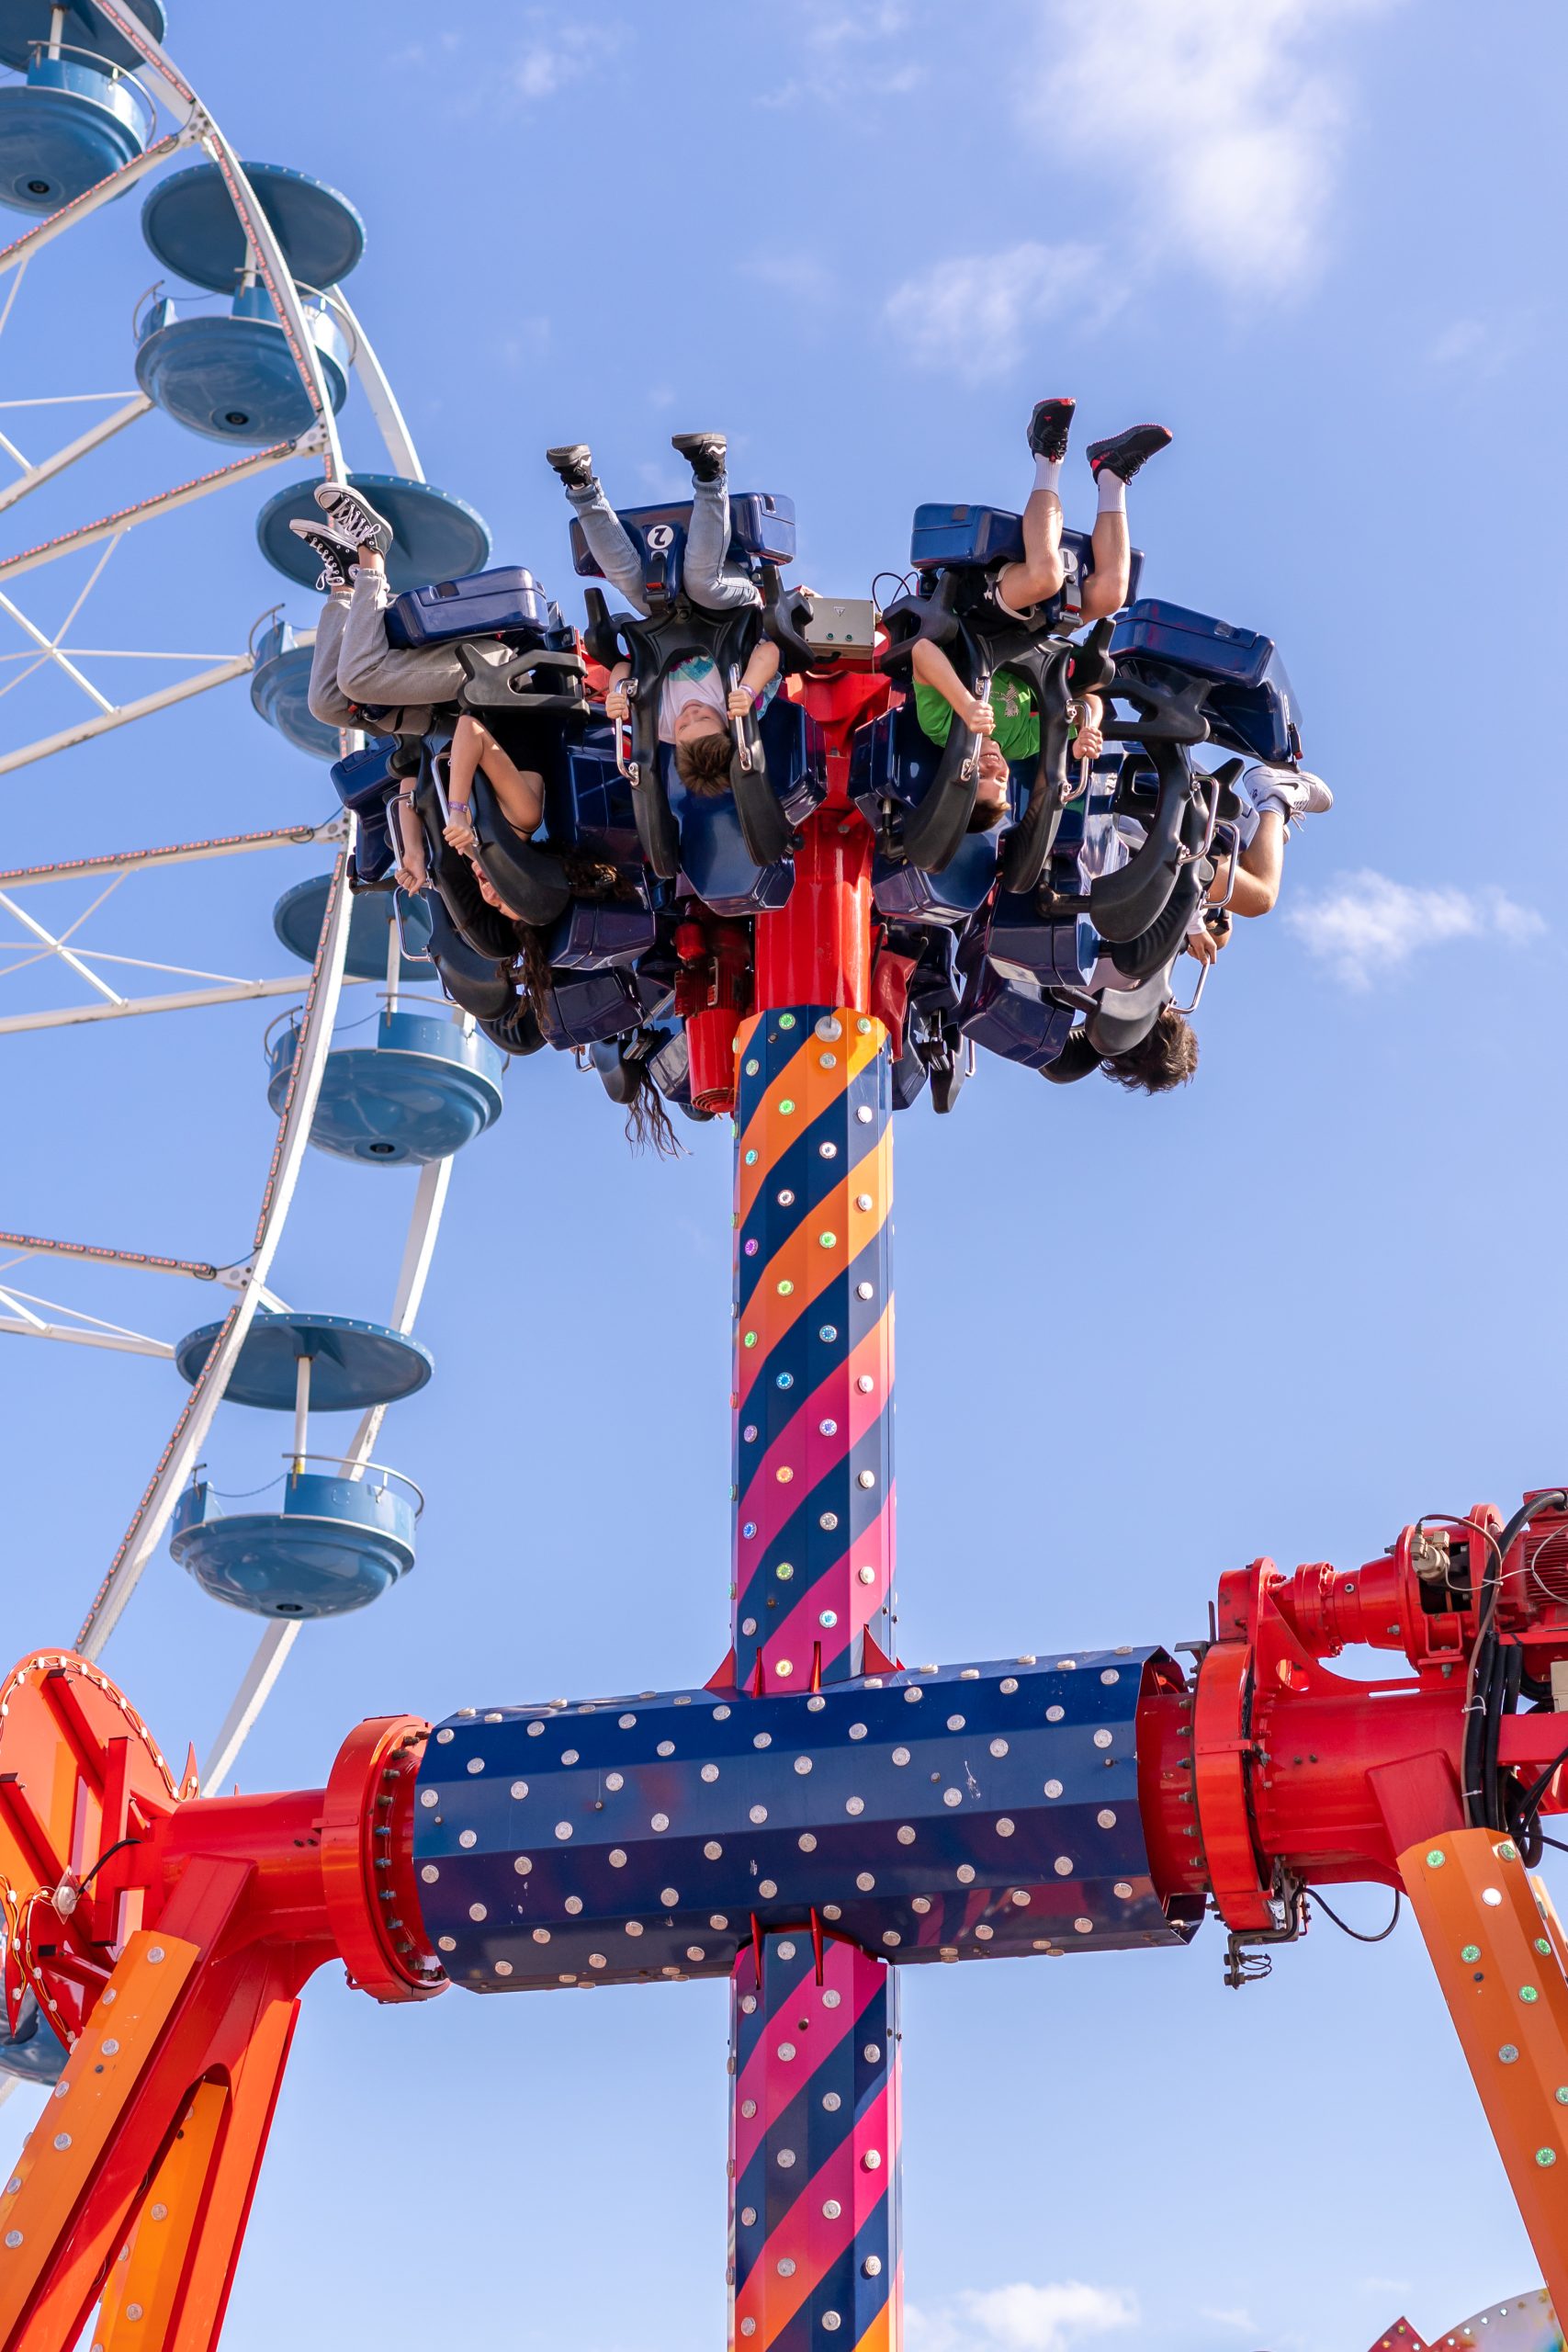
(1125, 452)
(1049, 427)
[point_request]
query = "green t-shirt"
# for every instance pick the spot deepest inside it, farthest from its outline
(1018, 722)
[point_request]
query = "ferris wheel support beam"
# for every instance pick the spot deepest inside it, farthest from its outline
(380, 399)
(130, 1343)
(88, 869)
(93, 438)
(272, 1650)
(21, 250)
(163, 501)
(180, 1455)
(125, 712)
(73, 1017)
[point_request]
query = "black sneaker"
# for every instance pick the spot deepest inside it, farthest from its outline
(334, 550)
(347, 512)
(574, 463)
(706, 452)
(1125, 452)
(1049, 427)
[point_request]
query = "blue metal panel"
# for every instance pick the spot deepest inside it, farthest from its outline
(192, 227)
(952, 1814)
(438, 534)
(352, 1364)
(63, 129)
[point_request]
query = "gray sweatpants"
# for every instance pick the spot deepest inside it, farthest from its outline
(708, 580)
(354, 663)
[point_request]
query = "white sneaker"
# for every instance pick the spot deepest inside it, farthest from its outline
(1295, 792)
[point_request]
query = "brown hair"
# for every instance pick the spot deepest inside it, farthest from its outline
(1166, 1057)
(702, 763)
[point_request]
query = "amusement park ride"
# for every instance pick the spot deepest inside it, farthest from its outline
(804, 954)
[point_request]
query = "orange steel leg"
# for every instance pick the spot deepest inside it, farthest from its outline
(183, 2013)
(1490, 1940)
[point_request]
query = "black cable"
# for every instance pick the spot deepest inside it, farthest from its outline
(103, 1858)
(1344, 1927)
(1556, 1843)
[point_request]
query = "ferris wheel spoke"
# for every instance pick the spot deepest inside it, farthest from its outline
(34, 476)
(20, 251)
(153, 1513)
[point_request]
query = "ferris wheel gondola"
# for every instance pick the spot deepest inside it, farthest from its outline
(259, 356)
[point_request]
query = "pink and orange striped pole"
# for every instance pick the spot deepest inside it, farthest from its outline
(814, 2056)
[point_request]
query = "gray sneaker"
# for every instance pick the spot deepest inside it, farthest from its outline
(574, 460)
(355, 516)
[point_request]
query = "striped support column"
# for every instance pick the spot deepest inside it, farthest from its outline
(813, 1392)
(814, 2150)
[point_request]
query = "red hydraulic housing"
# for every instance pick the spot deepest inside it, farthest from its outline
(166, 1937)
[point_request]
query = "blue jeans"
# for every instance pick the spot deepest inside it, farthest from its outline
(706, 578)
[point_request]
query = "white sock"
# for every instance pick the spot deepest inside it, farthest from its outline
(1048, 474)
(1112, 492)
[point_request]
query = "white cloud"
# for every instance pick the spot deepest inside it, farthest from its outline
(848, 55)
(973, 315)
(1368, 926)
(1236, 2318)
(1022, 2318)
(1223, 122)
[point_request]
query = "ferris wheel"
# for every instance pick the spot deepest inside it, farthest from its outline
(256, 350)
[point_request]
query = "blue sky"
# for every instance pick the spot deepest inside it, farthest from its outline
(1141, 1342)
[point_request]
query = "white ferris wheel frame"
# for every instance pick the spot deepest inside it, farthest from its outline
(23, 1314)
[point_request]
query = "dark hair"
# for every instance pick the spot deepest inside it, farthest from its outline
(702, 763)
(588, 877)
(1166, 1057)
(647, 1124)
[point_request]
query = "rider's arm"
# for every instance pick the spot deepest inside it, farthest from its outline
(932, 668)
(763, 668)
(1259, 869)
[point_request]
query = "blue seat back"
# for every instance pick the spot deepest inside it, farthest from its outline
(362, 779)
(1020, 940)
(1253, 708)
(587, 803)
(484, 603)
(946, 535)
(595, 935)
(1009, 1014)
(586, 1007)
(715, 862)
(761, 529)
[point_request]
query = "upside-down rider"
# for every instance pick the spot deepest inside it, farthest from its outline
(357, 674)
(1271, 799)
(1009, 722)
(695, 710)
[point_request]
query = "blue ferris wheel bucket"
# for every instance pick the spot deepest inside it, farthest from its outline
(421, 1093)
(354, 1364)
(231, 377)
(337, 1544)
(190, 224)
(298, 916)
(69, 125)
(280, 691)
(25, 23)
(435, 535)
(34, 2053)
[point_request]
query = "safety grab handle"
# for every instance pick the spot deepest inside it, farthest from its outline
(785, 610)
(530, 879)
(932, 833)
(934, 621)
(1123, 904)
(1032, 840)
(764, 828)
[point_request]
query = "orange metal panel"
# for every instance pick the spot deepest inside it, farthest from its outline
(68, 2143)
(1493, 1951)
(140, 2302)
